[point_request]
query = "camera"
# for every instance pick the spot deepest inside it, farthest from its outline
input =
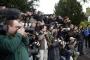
(66, 29)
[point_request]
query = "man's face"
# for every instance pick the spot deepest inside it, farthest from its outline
(33, 24)
(71, 26)
(45, 28)
(12, 29)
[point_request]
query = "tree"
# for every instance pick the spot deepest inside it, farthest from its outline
(85, 0)
(23, 5)
(70, 8)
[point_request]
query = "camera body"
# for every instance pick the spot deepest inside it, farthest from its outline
(66, 29)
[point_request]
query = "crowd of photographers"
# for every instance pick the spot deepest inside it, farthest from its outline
(53, 37)
(58, 39)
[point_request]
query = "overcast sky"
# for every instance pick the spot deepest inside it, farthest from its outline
(47, 6)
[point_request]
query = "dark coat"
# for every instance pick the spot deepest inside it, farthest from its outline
(53, 52)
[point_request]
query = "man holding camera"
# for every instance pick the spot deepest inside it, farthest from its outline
(13, 39)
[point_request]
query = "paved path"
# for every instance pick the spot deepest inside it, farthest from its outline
(86, 56)
(83, 58)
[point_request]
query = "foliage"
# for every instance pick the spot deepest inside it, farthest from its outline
(70, 8)
(23, 5)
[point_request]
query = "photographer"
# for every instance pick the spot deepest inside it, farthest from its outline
(13, 43)
(33, 44)
(43, 43)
